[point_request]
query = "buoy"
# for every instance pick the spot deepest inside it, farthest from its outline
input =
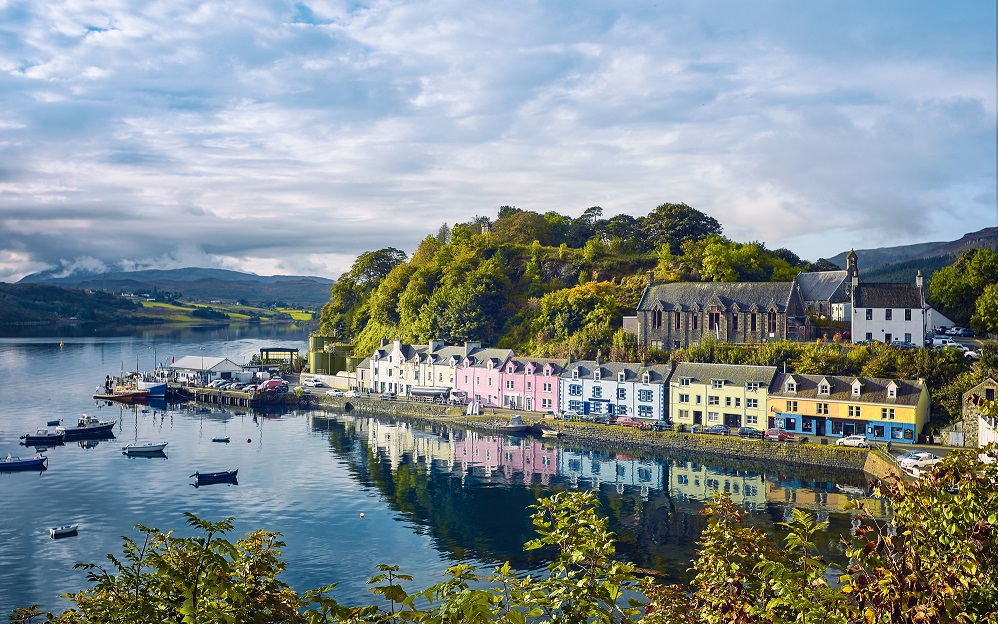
(60, 344)
(248, 440)
(362, 514)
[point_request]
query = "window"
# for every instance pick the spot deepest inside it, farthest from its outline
(713, 417)
(575, 374)
(530, 385)
(887, 413)
(727, 401)
(907, 315)
(684, 398)
(713, 320)
(545, 403)
(597, 375)
(597, 408)
(546, 387)
(821, 408)
(989, 394)
(836, 427)
(684, 381)
(869, 336)
(697, 397)
(621, 394)
(888, 314)
(547, 372)
(791, 406)
(752, 322)
(622, 409)
(490, 381)
(693, 321)
(823, 388)
(713, 400)
(869, 314)
(645, 378)
(656, 319)
(597, 392)
(716, 384)
(509, 384)
(772, 321)
(734, 322)
(752, 403)
(575, 406)
(907, 337)
(575, 390)
(645, 411)
(752, 386)
(751, 420)
(791, 385)
(738, 401)
(856, 389)
(854, 411)
(679, 320)
(620, 376)
(645, 395)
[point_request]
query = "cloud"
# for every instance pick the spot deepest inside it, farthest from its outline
(292, 137)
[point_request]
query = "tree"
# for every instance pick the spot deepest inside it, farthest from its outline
(985, 318)
(373, 266)
(675, 224)
(955, 289)
(523, 228)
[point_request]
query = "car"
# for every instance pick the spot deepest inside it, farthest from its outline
(954, 331)
(901, 344)
(853, 440)
(775, 434)
(904, 456)
(631, 422)
(920, 459)
(717, 430)
(351, 394)
(658, 425)
(605, 419)
(748, 433)
(312, 382)
(846, 335)
(966, 332)
(571, 415)
(972, 355)
(335, 393)
(387, 396)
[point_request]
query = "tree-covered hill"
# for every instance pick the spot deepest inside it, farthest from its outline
(542, 284)
(40, 303)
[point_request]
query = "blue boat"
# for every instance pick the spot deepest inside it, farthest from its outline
(38, 462)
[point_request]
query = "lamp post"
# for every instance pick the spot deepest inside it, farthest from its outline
(201, 373)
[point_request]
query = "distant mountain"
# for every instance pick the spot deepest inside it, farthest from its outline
(902, 263)
(200, 284)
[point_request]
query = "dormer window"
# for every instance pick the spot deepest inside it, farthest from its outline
(684, 381)
(547, 372)
(509, 369)
(791, 385)
(717, 384)
(575, 373)
(596, 375)
(823, 388)
(620, 376)
(892, 390)
(645, 378)
(856, 388)
(752, 386)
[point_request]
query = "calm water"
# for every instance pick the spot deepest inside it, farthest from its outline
(430, 495)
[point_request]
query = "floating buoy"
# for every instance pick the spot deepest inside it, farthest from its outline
(248, 440)
(362, 514)
(60, 344)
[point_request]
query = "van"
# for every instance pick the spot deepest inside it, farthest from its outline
(273, 384)
(942, 342)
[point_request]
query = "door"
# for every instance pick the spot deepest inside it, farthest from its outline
(733, 421)
(697, 417)
(848, 429)
(887, 338)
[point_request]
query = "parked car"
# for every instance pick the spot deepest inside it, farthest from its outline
(351, 394)
(605, 419)
(853, 440)
(846, 335)
(571, 415)
(901, 344)
(972, 355)
(312, 382)
(335, 393)
(920, 459)
(749, 433)
(966, 332)
(658, 425)
(776, 434)
(954, 331)
(632, 422)
(387, 396)
(717, 430)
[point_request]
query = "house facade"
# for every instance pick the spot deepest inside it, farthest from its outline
(885, 311)
(720, 394)
(399, 367)
(531, 384)
(826, 294)
(676, 315)
(979, 430)
(198, 369)
(885, 410)
(479, 375)
(614, 388)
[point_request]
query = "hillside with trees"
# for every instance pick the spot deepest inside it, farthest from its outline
(542, 284)
(39, 303)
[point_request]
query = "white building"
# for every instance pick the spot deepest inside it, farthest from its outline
(614, 388)
(887, 312)
(202, 369)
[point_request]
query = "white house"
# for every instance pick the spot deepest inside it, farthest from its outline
(202, 369)
(887, 312)
(614, 388)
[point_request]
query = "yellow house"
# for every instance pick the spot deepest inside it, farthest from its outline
(888, 410)
(720, 394)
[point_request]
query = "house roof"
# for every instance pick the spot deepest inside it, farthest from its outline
(686, 295)
(874, 390)
(539, 363)
(821, 285)
(887, 296)
(206, 363)
(609, 371)
(735, 374)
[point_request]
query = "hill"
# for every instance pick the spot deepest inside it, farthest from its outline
(899, 264)
(200, 284)
(43, 303)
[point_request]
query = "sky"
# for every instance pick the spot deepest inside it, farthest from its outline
(281, 137)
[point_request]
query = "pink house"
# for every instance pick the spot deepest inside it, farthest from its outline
(531, 384)
(479, 375)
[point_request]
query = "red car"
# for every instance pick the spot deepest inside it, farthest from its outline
(778, 435)
(630, 422)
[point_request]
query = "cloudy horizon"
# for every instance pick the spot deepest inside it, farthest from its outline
(289, 137)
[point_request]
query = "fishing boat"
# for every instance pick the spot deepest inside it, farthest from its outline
(87, 426)
(223, 439)
(63, 531)
(208, 478)
(147, 447)
(516, 425)
(43, 437)
(38, 462)
(54, 423)
(121, 395)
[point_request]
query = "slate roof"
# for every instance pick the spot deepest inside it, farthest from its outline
(887, 296)
(745, 294)
(733, 374)
(874, 390)
(821, 285)
(609, 371)
(520, 364)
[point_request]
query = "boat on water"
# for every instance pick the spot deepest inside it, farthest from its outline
(64, 531)
(547, 432)
(516, 425)
(43, 437)
(208, 478)
(223, 439)
(38, 462)
(147, 447)
(53, 423)
(122, 395)
(87, 426)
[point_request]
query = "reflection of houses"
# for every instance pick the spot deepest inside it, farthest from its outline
(690, 481)
(588, 469)
(203, 369)
(720, 394)
(821, 498)
(509, 457)
(889, 410)
(397, 440)
(615, 388)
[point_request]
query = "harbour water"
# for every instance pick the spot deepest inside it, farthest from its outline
(430, 494)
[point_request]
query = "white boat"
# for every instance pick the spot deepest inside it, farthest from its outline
(156, 389)
(516, 425)
(64, 531)
(145, 447)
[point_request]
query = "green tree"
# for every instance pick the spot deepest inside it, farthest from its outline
(675, 224)
(955, 289)
(985, 318)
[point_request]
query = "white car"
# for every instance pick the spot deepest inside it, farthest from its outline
(312, 382)
(334, 393)
(853, 440)
(972, 355)
(920, 459)
(351, 394)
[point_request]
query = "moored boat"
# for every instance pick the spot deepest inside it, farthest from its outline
(516, 425)
(207, 478)
(38, 462)
(54, 423)
(547, 432)
(223, 439)
(43, 437)
(147, 447)
(87, 426)
(122, 396)
(64, 531)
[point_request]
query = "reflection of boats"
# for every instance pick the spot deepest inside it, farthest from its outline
(146, 455)
(43, 437)
(148, 447)
(224, 439)
(208, 478)
(92, 442)
(64, 531)
(87, 426)
(516, 425)
(38, 462)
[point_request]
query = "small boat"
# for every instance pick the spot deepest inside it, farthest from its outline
(63, 531)
(54, 423)
(122, 396)
(38, 462)
(223, 439)
(43, 437)
(87, 426)
(516, 425)
(551, 433)
(208, 478)
(148, 447)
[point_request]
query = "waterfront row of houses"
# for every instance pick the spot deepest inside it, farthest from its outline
(686, 394)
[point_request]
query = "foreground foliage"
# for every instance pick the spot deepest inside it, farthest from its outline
(934, 561)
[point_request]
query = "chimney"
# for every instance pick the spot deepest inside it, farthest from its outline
(384, 342)
(651, 278)
(918, 279)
